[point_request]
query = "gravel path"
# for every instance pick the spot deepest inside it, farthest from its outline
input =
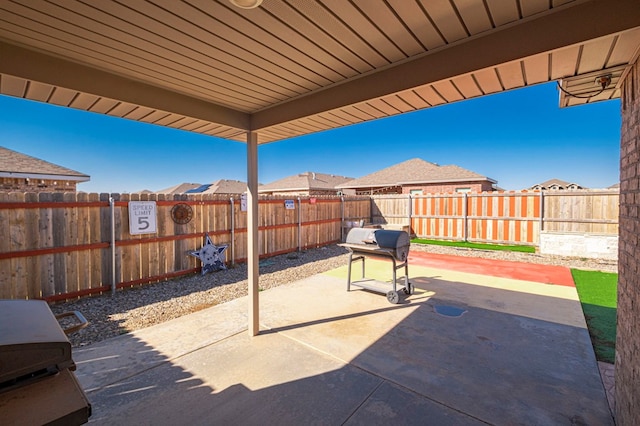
(140, 307)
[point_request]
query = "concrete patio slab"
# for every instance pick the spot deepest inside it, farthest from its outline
(519, 354)
(392, 404)
(267, 380)
(124, 356)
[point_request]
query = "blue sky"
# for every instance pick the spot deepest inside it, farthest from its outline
(518, 138)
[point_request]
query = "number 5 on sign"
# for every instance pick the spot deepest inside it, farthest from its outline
(142, 217)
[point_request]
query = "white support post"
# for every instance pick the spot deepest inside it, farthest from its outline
(112, 212)
(232, 224)
(252, 233)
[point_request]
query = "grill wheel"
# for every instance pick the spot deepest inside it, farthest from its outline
(393, 297)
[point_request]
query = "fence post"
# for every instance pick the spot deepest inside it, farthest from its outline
(233, 232)
(410, 212)
(465, 227)
(371, 208)
(112, 210)
(299, 225)
(541, 214)
(341, 219)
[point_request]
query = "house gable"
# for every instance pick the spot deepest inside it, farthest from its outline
(21, 172)
(308, 183)
(416, 175)
(556, 184)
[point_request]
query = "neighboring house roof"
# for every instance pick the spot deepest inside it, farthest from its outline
(415, 171)
(221, 186)
(556, 184)
(308, 181)
(17, 165)
(179, 189)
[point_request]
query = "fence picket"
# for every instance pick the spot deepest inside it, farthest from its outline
(95, 236)
(32, 239)
(17, 240)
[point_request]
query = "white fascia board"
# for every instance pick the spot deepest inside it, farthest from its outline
(17, 175)
(377, 185)
(417, 182)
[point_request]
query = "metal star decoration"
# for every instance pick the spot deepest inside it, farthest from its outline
(211, 256)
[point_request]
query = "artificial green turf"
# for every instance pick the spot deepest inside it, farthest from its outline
(524, 249)
(598, 296)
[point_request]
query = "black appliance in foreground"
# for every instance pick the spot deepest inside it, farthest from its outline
(365, 242)
(37, 384)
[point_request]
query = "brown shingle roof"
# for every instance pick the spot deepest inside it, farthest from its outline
(414, 171)
(16, 164)
(305, 182)
(226, 186)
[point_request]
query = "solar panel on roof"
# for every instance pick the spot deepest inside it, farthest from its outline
(198, 190)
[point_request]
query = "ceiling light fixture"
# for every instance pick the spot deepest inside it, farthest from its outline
(246, 4)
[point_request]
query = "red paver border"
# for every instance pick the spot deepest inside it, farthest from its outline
(546, 274)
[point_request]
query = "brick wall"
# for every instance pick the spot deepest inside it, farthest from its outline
(380, 191)
(36, 185)
(628, 331)
(449, 187)
(302, 193)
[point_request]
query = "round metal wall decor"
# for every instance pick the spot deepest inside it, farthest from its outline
(181, 213)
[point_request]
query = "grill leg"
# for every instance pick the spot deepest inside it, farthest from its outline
(349, 272)
(408, 288)
(406, 274)
(351, 260)
(393, 259)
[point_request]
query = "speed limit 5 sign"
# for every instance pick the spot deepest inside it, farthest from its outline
(142, 217)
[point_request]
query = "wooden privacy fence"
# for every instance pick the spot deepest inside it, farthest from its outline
(515, 217)
(588, 211)
(355, 212)
(57, 246)
(499, 217)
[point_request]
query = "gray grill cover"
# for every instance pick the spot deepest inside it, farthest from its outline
(30, 339)
(361, 236)
(398, 241)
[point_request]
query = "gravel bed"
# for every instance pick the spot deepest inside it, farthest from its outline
(143, 306)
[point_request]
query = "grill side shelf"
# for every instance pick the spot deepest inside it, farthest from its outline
(371, 249)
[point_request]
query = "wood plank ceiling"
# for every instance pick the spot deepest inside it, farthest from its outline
(292, 67)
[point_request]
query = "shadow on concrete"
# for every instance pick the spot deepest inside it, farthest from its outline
(332, 357)
(116, 379)
(102, 311)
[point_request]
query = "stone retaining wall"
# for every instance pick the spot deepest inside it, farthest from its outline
(591, 246)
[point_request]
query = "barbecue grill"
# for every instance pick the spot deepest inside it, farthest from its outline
(37, 385)
(367, 242)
